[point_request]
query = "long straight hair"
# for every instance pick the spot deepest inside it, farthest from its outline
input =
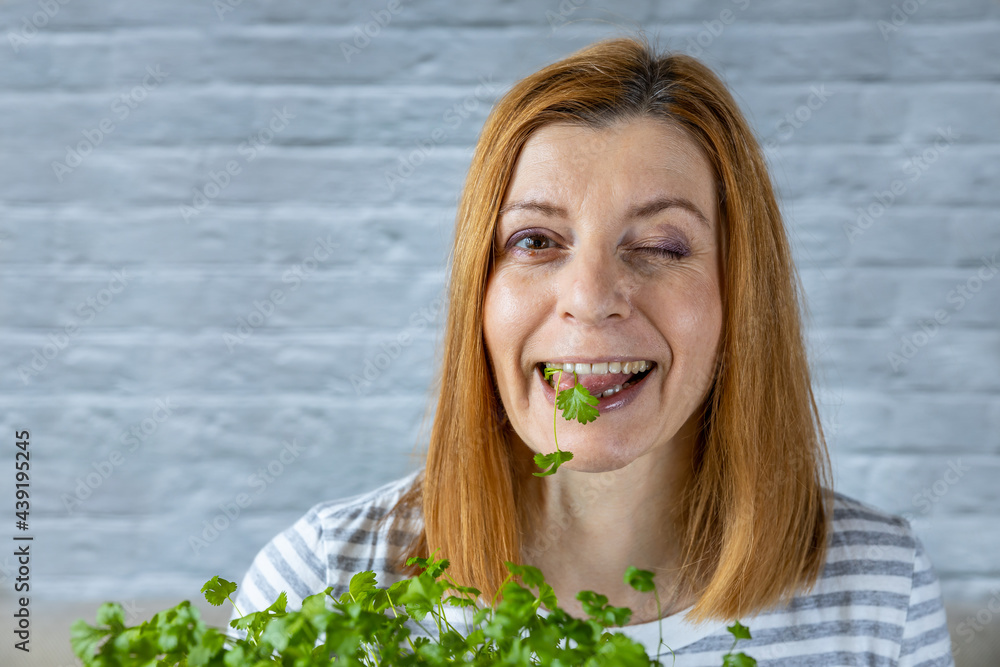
(757, 510)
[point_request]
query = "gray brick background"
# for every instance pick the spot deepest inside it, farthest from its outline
(219, 316)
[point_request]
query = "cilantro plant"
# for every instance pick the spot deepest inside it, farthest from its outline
(369, 625)
(576, 402)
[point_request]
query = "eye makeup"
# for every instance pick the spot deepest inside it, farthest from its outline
(676, 248)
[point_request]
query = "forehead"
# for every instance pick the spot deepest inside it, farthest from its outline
(619, 165)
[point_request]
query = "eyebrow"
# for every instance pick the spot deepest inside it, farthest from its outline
(644, 210)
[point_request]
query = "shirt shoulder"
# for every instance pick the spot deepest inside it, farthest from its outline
(356, 537)
(331, 542)
(864, 538)
(878, 598)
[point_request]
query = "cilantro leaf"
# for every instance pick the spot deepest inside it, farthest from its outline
(577, 403)
(555, 459)
(217, 590)
(362, 582)
(640, 580)
(84, 638)
(739, 631)
(359, 633)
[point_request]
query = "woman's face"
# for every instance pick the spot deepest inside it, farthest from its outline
(608, 251)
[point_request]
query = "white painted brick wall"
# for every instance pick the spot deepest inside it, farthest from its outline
(321, 181)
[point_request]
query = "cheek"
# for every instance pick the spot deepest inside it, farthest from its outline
(514, 315)
(503, 315)
(703, 332)
(690, 319)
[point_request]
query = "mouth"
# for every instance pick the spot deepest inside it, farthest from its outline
(615, 384)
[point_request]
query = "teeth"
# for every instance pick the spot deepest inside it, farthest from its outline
(602, 368)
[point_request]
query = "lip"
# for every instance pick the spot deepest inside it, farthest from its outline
(604, 403)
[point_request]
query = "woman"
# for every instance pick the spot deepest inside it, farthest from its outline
(618, 221)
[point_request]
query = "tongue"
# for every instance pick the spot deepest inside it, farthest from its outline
(595, 384)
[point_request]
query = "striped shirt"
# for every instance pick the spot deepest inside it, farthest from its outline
(878, 601)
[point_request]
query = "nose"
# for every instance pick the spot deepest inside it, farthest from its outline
(592, 288)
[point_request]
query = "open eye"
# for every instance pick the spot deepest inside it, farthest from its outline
(533, 241)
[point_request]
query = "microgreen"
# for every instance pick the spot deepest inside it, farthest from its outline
(369, 625)
(576, 402)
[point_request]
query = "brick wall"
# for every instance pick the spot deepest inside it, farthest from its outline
(214, 215)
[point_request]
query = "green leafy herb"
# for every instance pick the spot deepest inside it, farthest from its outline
(218, 590)
(369, 625)
(576, 402)
(730, 659)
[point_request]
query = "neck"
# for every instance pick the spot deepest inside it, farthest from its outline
(584, 529)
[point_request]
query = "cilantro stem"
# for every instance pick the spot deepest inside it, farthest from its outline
(228, 597)
(555, 410)
(499, 588)
(659, 623)
(396, 615)
(577, 403)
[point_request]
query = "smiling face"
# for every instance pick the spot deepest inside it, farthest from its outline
(608, 251)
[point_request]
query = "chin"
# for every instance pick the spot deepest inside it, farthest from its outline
(594, 455)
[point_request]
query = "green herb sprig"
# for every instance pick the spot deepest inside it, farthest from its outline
(576, 402)
(369, 625)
